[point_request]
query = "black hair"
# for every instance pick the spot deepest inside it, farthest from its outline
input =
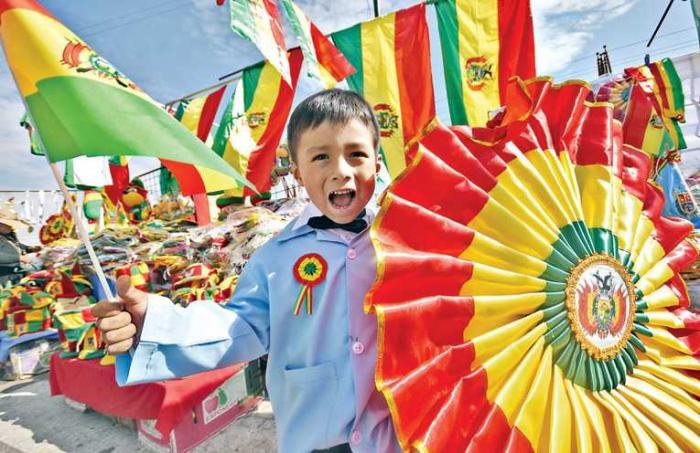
(334, 105)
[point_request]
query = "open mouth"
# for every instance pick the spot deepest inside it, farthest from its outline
(341, 199)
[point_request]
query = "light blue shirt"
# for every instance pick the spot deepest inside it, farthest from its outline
(320, 371)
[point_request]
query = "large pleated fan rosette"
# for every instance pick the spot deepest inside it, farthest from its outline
(528, 292)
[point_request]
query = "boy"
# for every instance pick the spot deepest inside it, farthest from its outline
(299, 299)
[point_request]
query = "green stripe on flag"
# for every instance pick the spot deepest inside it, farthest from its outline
(449, 43)
(676, 85)
(251, 76)
(349, 42)
(224, 130)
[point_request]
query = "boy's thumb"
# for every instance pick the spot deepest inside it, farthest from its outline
(130, 296)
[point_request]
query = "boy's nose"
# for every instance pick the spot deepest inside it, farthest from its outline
(342, 170)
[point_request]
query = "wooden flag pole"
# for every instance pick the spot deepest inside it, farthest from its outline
(78, 220)
(82, 232)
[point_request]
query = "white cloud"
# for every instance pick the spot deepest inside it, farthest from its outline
(563, 28)
(214, 22)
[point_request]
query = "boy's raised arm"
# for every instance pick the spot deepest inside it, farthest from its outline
(173, 341)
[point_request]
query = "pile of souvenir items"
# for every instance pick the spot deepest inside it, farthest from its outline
(53, 298)
(200, 263)
(168, 255)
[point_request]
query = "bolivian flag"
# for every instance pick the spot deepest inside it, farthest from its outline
(197, 114)
(82, 105)
(324, 60)
(253, 123)
(484, 44)
(392, 57)
(643, 126)
(532, 299)
(668, 91)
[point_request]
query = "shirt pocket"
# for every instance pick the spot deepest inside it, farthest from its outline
(309, 401)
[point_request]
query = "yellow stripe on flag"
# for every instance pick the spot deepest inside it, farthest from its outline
(596, 186)
(557, 434)
(190, 119)
(497, 222)
(268, 87)
(494, 311)
(530, 415)
(517, 337)
(478, 48)
(650, 254)
(622, 440)
(644, 229)
(488, 251)
(661, 298)
(50, 50)
(379, 76)
(627, 219)
(491, 281)
(601, 443)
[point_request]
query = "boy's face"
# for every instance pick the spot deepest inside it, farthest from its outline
(337, 163)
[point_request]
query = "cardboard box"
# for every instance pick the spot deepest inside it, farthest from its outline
(28, 359)
(218, 410)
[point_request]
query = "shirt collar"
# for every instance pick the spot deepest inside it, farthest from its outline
(310, 210)
(299, 226)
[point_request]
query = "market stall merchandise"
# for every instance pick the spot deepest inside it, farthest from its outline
(532, 299)
(167, 403)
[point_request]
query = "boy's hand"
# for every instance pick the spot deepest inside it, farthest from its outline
(121, 322)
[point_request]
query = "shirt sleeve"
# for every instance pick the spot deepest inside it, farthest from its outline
(178, 341)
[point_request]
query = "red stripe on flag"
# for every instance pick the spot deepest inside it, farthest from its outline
(483, 153)
(411, 186)
(518, 442)
(639, 113)
(329, 56)
(262, 159)
(412, 50)
(635, 172)
(681, 257)
(24, 4)
(670, 231)
(421, 275)
(187, 176)
(677, 285)
(275, 24)
(661, 86)
(596, 142)
(206, 119)
(450, 147)
(430, 232)
(516, 49)
(468, 421)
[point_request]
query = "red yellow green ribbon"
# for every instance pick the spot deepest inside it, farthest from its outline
(309, 270)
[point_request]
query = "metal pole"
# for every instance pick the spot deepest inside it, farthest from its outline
(658, 26)
(376, 7)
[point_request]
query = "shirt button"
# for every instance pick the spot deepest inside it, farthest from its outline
(355, 437)
(352, 254)
(358, 348)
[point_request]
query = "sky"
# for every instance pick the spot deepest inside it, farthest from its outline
(172, 48)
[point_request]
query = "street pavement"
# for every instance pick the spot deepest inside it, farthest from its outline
(33, 421)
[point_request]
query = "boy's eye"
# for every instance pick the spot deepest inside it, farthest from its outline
(359, 154)
(319, 157)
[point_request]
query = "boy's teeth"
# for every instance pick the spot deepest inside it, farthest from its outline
(342, 198)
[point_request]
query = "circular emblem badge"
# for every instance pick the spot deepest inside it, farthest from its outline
(310, 269)
(601, 305)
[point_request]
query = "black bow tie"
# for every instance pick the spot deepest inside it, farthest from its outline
(324, 223)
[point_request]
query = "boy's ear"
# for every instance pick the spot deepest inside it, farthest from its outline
(297, 175)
